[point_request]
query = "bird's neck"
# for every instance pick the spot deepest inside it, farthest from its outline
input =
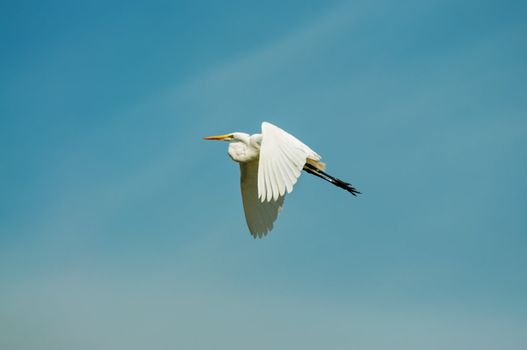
(256, 140)
(246, 148)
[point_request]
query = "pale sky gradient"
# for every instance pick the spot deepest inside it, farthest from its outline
(121, 229)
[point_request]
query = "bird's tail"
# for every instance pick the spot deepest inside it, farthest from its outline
(309, 168)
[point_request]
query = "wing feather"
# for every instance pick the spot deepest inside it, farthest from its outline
(282, 157)
(260, 216)
(282, 173)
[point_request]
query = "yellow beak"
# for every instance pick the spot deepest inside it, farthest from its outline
(219, 137)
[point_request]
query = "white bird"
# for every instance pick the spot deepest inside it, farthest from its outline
(270, 164)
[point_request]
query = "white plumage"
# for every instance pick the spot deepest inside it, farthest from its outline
(260, 216)
(270, 164)
(282, 158)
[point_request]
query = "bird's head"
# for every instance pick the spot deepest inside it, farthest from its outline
(232, 137)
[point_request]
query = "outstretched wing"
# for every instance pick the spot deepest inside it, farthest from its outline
(282, 157)
(259, 215)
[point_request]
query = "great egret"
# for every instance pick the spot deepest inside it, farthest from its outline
(270, 164)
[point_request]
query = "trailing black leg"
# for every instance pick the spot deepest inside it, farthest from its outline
(333, 180)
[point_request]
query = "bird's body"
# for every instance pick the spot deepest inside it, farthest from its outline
(270, 164)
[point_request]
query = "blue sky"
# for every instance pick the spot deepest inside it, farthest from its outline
(121, 229)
